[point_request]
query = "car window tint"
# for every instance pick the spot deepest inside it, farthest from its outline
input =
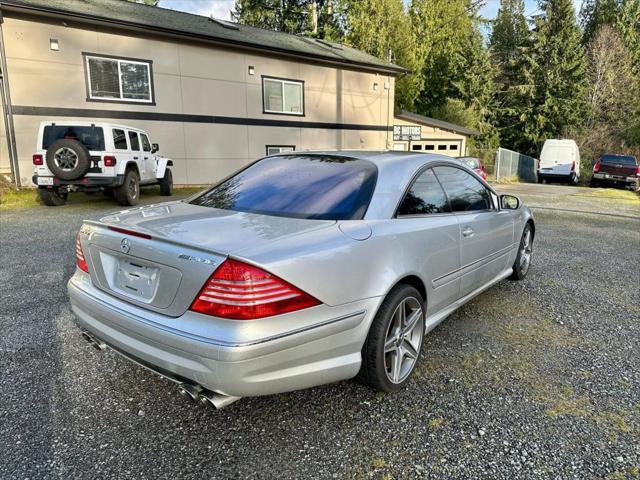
(119, 139)
(90, 137)
(327, 187)
(133, 140)
(146, 146)
(424, 197)
(465, 193)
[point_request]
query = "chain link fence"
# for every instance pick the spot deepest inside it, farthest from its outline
(511, 165)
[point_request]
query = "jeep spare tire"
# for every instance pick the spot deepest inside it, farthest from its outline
(68, 159)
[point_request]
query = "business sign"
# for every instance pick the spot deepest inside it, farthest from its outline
(406, 132)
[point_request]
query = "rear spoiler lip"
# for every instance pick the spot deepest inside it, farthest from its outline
(154, 236)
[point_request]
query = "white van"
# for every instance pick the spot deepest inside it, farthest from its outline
(559, 161)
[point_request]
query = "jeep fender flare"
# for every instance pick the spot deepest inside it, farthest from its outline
(161, 166)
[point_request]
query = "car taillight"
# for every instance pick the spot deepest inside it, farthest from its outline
(596, 167)
(37, 159)
(240, 291)
(80, 260)
(108, 161)
(573, 166)
(638, 172)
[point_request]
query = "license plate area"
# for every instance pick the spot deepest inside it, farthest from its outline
(45, 180)
(136, 280)
(140, 281)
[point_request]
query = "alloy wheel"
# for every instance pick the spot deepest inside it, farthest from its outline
(525, 252)
(403, 340)
(66, 159)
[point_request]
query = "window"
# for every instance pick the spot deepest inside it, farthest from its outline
(90, 137)
(119, 139)
(425, 197)
(464, 191)
(453, 146)
(618, 159)
(273, 149)
(442, 147)
(116, 79)
(400, 147)
(323, 187)
(416, 147)
(133, 140)
(283, 96)
(429, 147)
(146, 146)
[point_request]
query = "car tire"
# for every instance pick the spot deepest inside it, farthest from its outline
(166, 184)
(52, 197)
(128, 194)
(389, 356)
(573, 179)
(525, 251)
(108, 192)
(594, 183)
(68, 159)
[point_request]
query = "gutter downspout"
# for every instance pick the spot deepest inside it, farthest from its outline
(8, 110)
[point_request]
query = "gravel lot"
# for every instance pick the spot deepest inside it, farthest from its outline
(536, 379)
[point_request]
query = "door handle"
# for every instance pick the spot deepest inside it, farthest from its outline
(467, 232)
(135, 158)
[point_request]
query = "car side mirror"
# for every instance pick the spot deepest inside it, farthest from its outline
(509, 202)
(154, 147)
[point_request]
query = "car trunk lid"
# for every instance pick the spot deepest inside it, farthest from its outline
(159, 256)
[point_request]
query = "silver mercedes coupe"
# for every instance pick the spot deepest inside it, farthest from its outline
(298, 270)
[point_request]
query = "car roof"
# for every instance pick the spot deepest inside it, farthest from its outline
(89, 124)
(395, 171)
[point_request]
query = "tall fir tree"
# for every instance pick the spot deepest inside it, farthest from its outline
(557, 63)
(382, 28)
(510, 42)
(441, 28)
(320, 18)
(594, 14)
(628, 24)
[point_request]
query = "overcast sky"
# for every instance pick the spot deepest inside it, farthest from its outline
(221, 8)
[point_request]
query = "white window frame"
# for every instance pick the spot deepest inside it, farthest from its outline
(283, 82)
(281, 148)
(119, 60)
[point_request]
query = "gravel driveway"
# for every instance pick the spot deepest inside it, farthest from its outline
(536, 379)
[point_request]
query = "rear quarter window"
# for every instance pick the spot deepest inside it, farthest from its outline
(91, 137)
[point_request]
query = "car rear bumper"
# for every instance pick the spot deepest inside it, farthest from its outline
(247, 366)
(618, 179)
(90, 182)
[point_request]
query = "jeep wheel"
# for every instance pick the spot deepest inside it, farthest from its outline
(166, 184)
(128, 193)
(52, 197)
(68, 159)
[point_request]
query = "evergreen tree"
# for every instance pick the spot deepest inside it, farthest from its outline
(557, 64)
(317, 18)
(441, 28)
(628, 24)
(594, 14)
(382, 28)
(510, 42)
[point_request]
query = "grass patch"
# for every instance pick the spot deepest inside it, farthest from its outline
(28, 197)
(619, 194)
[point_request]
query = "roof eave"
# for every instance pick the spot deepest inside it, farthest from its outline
(13, 5)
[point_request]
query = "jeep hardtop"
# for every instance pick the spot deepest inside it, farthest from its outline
(97, 156)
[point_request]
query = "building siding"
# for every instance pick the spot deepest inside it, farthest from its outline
(190, 79)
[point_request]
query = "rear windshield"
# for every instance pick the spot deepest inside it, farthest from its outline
(323, 187)
(471, 162)
(619, 159)
(90, 137)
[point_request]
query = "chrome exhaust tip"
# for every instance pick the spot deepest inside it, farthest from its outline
(190, 390)
(217, 400)
(95, 342)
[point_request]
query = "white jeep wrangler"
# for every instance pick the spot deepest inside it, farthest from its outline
(94, 156)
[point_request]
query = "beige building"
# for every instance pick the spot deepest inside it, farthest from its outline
(213, 94)
(417, 133)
